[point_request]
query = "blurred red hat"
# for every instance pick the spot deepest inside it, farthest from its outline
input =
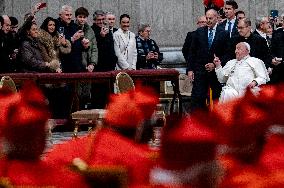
(241, 121)
(213, 3)
(189, 143)
(146, 99)
(129, 109)
(25, 122)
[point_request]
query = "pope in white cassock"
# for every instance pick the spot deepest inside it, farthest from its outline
(240, 73)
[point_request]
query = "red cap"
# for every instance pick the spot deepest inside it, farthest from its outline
(241, 121)
(23, 118)
(129, 109)
(189, 143)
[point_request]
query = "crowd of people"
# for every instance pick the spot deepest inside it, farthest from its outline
(219, 32)
(67, 45)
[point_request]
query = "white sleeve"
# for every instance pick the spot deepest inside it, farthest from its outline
(261, 74)
(223, 72)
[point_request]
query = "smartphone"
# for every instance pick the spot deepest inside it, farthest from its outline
(274, 13)
(61, 30)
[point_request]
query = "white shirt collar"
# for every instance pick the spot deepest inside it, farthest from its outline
(261, 33)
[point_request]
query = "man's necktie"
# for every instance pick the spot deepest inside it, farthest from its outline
(230, 27)
(210, 37)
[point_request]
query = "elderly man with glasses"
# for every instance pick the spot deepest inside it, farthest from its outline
(258, 44)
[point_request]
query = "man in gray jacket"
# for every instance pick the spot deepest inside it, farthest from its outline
(89, 53)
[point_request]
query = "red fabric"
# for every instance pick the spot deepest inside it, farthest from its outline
(39, 173)
(216, 3)
(103, 148)
(112, 149)
(130, 108)
(187, 144)
(241, 121)
(122, 111)
(273, 153)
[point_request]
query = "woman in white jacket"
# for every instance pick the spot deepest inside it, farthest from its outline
(125, 45)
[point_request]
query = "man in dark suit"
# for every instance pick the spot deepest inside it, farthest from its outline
(201, 22)
(277, 51)
(207, 42)
(104, 28)
(258, 44)
(230, 24)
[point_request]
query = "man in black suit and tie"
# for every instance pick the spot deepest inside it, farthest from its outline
(201, 22)
(230, 24)
(277, 51)
(207, 42)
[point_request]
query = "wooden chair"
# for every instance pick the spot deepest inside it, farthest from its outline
(124, 82)
(8, 84)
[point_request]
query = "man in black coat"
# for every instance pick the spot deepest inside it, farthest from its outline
(258, 44)
(71, 62)
(201, 22)
(277, 50)
(207, 42)
(7, 46)
(104, 28)
(230, 24)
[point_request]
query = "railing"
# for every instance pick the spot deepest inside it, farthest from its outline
(103, 77)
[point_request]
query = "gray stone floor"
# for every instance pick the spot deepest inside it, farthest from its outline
(60, 137)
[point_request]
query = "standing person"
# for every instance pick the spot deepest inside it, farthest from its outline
(53, 42)
(258, 44)
(103, 27)
(230, 24)
(125, 45)
(7, 46)
(240, 73)
(110, 19)
(240, 15)
(106, 56)
(54, 45)
(201, 22)
(148, 53)
(89, 56)
(30, 51)
(277, 51)
(206, 42)
(72, 62)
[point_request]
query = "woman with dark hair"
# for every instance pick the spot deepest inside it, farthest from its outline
(53, 42)
(30, 51)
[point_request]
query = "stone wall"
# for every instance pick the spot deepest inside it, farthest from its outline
(170, 19)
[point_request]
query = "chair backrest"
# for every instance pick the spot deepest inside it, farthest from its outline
(185, 85)
(8, 84)
(124, 82)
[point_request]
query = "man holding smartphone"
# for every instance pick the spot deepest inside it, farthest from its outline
(106, 55)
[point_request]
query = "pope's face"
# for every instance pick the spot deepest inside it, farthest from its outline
(241, 51)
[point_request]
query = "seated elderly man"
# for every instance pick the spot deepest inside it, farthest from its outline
(240, 73)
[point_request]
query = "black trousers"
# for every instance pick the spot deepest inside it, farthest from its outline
(202, 81)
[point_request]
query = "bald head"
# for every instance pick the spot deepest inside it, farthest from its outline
(6, 26)
(212, 18)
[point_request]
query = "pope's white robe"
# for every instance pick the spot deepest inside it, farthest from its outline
(125, 49)
(238, 75)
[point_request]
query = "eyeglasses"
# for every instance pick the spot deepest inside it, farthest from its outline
(201, 22)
